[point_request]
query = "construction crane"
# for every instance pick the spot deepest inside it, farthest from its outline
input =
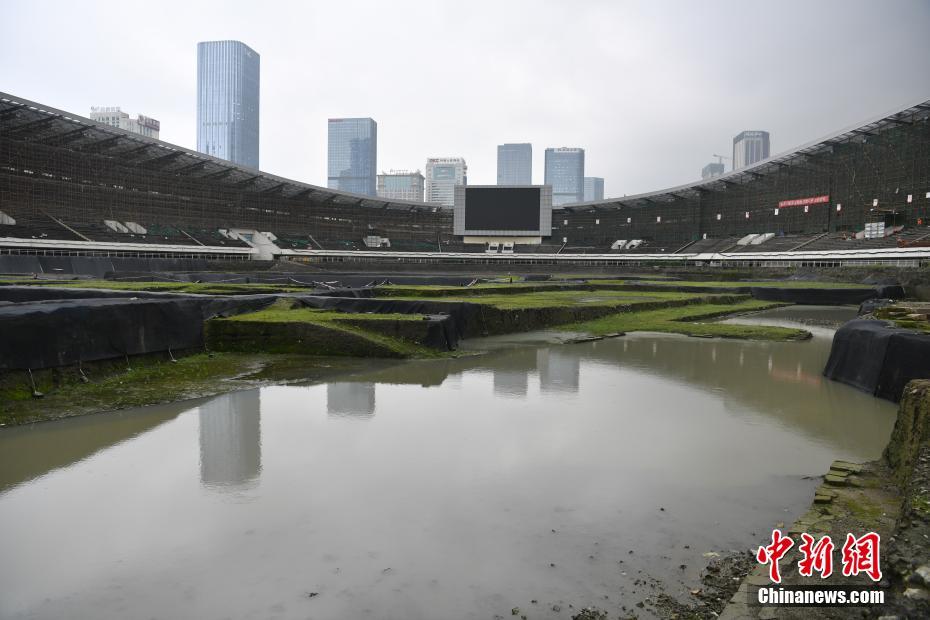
(721, 158)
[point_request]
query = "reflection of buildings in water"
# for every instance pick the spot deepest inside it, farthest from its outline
(778, 380)
(559, 370)
(345, 399)
(511, 371)
(231, 439)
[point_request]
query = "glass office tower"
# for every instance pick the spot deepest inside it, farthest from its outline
(353, 155)
(515, 164)
(565, 173)
(228, 74)
(593, 188)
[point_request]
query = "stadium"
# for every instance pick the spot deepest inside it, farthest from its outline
(73, 187)
(504, 408)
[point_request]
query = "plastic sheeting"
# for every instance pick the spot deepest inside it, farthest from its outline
(62, 332)
(298, 278)
(877, 358)
(825, 296)
(99, 266)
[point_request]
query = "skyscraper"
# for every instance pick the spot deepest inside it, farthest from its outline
(750, 147)
(711, 170)
(442, 175)
(228, 75)
(401, 185)
(142, 125)
(515, 164)
(565, 173)
(593, 188)
(353, 155)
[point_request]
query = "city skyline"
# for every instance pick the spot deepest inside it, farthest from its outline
(627, 130)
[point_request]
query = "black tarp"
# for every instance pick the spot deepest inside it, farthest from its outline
(878, 358)
(296, 278)
(99, 266)
(825, 296)
(61, 332)
(30, 293)
(44, 335)
(871, 305)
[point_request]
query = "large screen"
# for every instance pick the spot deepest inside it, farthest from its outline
(502, 208)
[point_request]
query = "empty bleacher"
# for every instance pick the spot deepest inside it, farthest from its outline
(709, 245)
(40, 227)
(847, 240)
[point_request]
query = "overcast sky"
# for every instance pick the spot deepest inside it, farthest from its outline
(650, 89)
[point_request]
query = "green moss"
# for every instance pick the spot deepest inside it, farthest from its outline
(279, 314)
(114, 385)
(805, 284)
(578, 298)
(686, 320)
(309, 331)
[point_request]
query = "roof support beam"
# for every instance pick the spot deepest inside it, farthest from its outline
(249, 181)
(191, 168)
(276, 189)
(15, 131)
(163, 159)
(216, 176)
(11, 112)
(102, 145)
(66, 137)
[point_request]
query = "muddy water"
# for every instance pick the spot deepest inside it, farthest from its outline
(463, 488)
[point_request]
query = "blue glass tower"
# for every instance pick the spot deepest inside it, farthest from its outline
(515, 164)
(565, 173)
(228, 75)
(353, 155)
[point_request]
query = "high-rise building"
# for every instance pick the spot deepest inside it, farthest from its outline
(750, 147)
(401, 185)
(353, 155)
(713, 169)
(515, 164)
(565, 173)
(442, 175)
(593, 188)
(117, 118)
(228, 75)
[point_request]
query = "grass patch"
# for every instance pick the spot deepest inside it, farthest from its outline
(688, 321)
(801, 284)
(113, 385)
(898, 315)
(283, 328)
(153, 379)
(560, 299)
(278, 313)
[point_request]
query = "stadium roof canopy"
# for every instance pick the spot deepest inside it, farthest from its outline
(24, 119)
(916, 112)
(35, 122)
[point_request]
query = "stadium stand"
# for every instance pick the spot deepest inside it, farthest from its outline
(63, 176)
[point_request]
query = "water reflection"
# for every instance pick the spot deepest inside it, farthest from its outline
(459, 501)
(559, 369)
(511, 373)
(27, 452)
(231, 440)
(352, 400)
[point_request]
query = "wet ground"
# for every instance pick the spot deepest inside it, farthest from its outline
(545, 477)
